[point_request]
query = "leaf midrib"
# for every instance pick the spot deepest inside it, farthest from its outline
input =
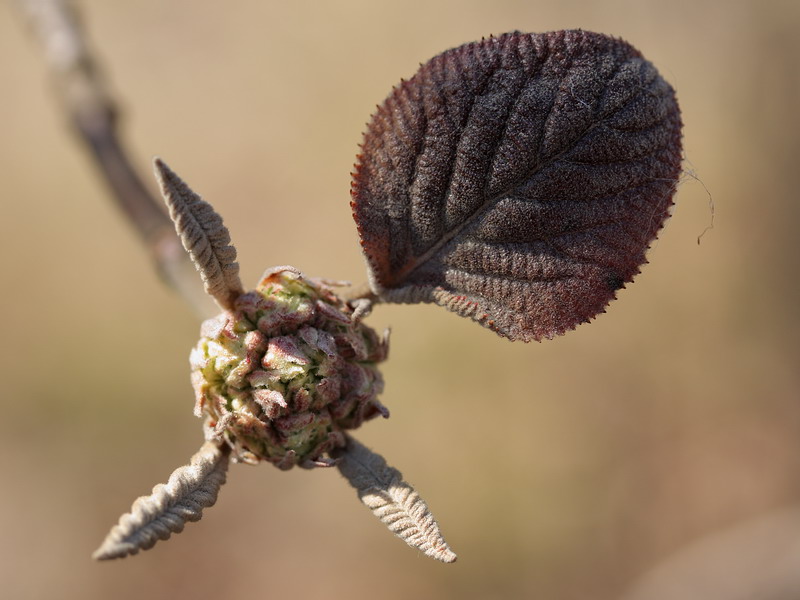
(511, 190)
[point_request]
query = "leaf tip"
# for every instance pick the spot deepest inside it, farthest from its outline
(112, 549)
(445, 555)
(164, 175)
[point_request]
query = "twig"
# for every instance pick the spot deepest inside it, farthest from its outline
(93, 113)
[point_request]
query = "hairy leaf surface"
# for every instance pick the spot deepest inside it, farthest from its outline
(398, 505)
(170, 506)
(518, 180)
(203, 235)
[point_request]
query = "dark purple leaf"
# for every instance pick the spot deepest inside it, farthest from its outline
(518, 180)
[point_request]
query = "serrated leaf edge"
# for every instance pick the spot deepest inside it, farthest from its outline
(166, 510)
(392, 287)
(204, 236)
(396, 503)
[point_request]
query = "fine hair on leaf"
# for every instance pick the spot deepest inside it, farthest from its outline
(166, 510)
(204, 236)
(398, 505)
(518, 180)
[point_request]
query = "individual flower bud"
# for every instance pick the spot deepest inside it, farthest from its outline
(286, 371)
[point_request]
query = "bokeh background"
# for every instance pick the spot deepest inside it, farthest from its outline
(654, 453)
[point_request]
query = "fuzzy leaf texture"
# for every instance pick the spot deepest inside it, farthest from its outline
(188, 491)
(204, 236)
(518, 180)
(398, 506)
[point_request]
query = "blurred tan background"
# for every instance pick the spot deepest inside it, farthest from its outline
(652, 454)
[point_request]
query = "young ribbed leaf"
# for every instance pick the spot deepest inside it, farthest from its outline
(518, 180)
(381, 488)
(204, 236)
(188, 491)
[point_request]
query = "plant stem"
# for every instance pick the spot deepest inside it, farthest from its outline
(93, 114)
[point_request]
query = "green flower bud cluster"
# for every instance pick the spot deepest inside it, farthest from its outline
(283, 374)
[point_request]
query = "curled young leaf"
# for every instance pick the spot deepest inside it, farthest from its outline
(204, 236)
(381, 488)
(166, 510)
(518, 180)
